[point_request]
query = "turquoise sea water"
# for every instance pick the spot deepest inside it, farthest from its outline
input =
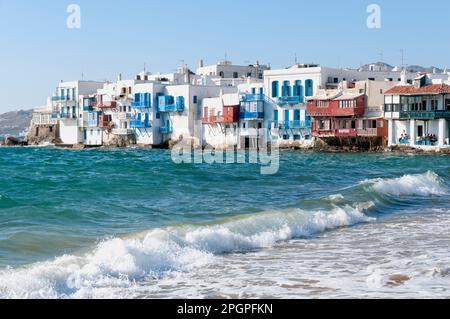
(132, 224)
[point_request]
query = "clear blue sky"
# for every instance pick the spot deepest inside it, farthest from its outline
(38, 49)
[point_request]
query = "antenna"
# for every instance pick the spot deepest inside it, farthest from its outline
(381, 56)
(295, 59)
(82, 76)
(145, 67)
(403, 57)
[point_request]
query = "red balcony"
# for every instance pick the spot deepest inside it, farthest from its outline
(230, 116)
(346, 132)
(105, 105)
(213, 120)
(344, 106)
(319, 111)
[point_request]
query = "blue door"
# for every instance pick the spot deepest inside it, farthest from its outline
(286, 118)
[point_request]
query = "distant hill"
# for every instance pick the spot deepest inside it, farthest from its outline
(411, 68)
(14, 123)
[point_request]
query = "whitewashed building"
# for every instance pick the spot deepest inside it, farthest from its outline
(418, 114)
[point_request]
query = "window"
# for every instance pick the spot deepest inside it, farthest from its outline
(195, 98)
(371, 79)
(221, 74)
(309, 88)
(253, 91)
(286, 89)
(235, 75)
(296, 115)
(275, 88)
(298, 88)
(50, 129)
(249, 74)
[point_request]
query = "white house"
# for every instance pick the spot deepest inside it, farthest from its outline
(418, 114)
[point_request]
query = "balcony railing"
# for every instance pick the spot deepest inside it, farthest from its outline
(289, 100)
(166, 129)
(368, 132)
(169, 104)
(141, 104)
(122, 131)
(63, 98)
(91, 123)
(253, 98)
(292, 125)
(140, 124)
(426, 115)
(105, 105)
(346, 132)
(252, 115)
(213, 120)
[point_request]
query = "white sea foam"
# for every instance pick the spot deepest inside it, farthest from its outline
(422, 185)
(119, 264)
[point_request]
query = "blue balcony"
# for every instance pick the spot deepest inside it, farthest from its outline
(166, 129)
(170, 104)
(142, 101)
(289, 100)
(252, 115)
(62, 98)
(253, 98)
(141, 104)
(140, 124)
(293, 125)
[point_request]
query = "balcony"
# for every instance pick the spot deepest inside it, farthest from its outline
(253, 98)
(347, 111)
(122, 131)
(213, 120)
(63, 98)
(142, 104)
(293, 125)
(346, 132)
(105, 105)
(289, 100)
(168, 104)
(140, 124)
(91, 123)
(166, 129)
(319, 111)
(257, 116)
(368, 132)
(425, 115)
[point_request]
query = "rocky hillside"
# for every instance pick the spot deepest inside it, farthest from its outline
(14, 123)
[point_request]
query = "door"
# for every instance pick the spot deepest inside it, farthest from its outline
(286, 118)
(420, 131)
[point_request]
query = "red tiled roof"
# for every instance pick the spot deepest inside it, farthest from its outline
(427, 89)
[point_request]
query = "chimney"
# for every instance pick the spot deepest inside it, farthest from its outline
(201, 64)
(403, 78)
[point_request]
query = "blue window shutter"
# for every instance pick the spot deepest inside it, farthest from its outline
(286, 115)
(275, 116)
(275, 89)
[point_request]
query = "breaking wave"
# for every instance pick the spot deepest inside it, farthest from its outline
(119, 264)
(427, 184)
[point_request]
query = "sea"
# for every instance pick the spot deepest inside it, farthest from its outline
(131, 223)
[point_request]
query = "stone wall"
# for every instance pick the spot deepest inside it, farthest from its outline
(41, 134)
